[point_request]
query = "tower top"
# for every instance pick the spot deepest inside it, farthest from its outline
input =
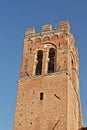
(50, 40)
(63, 27)
(64, 24)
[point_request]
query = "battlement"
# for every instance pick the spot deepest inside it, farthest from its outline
(63, 27)
(47, 28)
(30, 31)
(64, 24)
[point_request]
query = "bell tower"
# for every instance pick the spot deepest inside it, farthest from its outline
(48, 86)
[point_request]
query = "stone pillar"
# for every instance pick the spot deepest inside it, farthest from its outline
(45, 62)
(35, 64)
(57, 66)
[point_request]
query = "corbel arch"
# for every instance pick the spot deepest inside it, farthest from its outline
(46, 38)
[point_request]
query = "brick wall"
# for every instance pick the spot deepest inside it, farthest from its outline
(49, 101)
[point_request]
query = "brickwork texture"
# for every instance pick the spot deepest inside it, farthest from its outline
(48, 87)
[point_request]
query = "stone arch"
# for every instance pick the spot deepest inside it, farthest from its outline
(44, 46)
(54, 37)
(42, 59)
(37, 40)
(46, 38)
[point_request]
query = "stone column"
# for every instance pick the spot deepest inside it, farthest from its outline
(57, 60)
(34, 64)
(45, 62)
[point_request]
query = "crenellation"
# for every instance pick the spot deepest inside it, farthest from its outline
(30, 31)
(64, 26)
(46, 28)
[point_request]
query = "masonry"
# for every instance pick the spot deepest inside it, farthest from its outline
(48, 95)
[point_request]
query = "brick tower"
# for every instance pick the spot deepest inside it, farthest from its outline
(48, 87)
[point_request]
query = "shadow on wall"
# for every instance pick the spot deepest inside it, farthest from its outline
(84, 128)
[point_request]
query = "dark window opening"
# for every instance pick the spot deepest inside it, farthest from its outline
(41, 96)
(72, 62)
(39, 64)
(51, 64)
(30, 50)
(31, 123)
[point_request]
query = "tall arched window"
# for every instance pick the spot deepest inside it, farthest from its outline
(39, 63)
(51, 64)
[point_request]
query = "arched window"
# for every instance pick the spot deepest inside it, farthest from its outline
(39, 63)
(51, 64)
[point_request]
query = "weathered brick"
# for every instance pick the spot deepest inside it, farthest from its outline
(49, 101)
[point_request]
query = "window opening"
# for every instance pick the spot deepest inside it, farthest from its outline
(39, 64)
(41, 96)
(72, 61)
(51, 64)
(30, 50)
(31, 123)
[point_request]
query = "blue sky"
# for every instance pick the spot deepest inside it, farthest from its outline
(15, 17)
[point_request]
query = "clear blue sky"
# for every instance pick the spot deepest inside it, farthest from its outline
(15, 17)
